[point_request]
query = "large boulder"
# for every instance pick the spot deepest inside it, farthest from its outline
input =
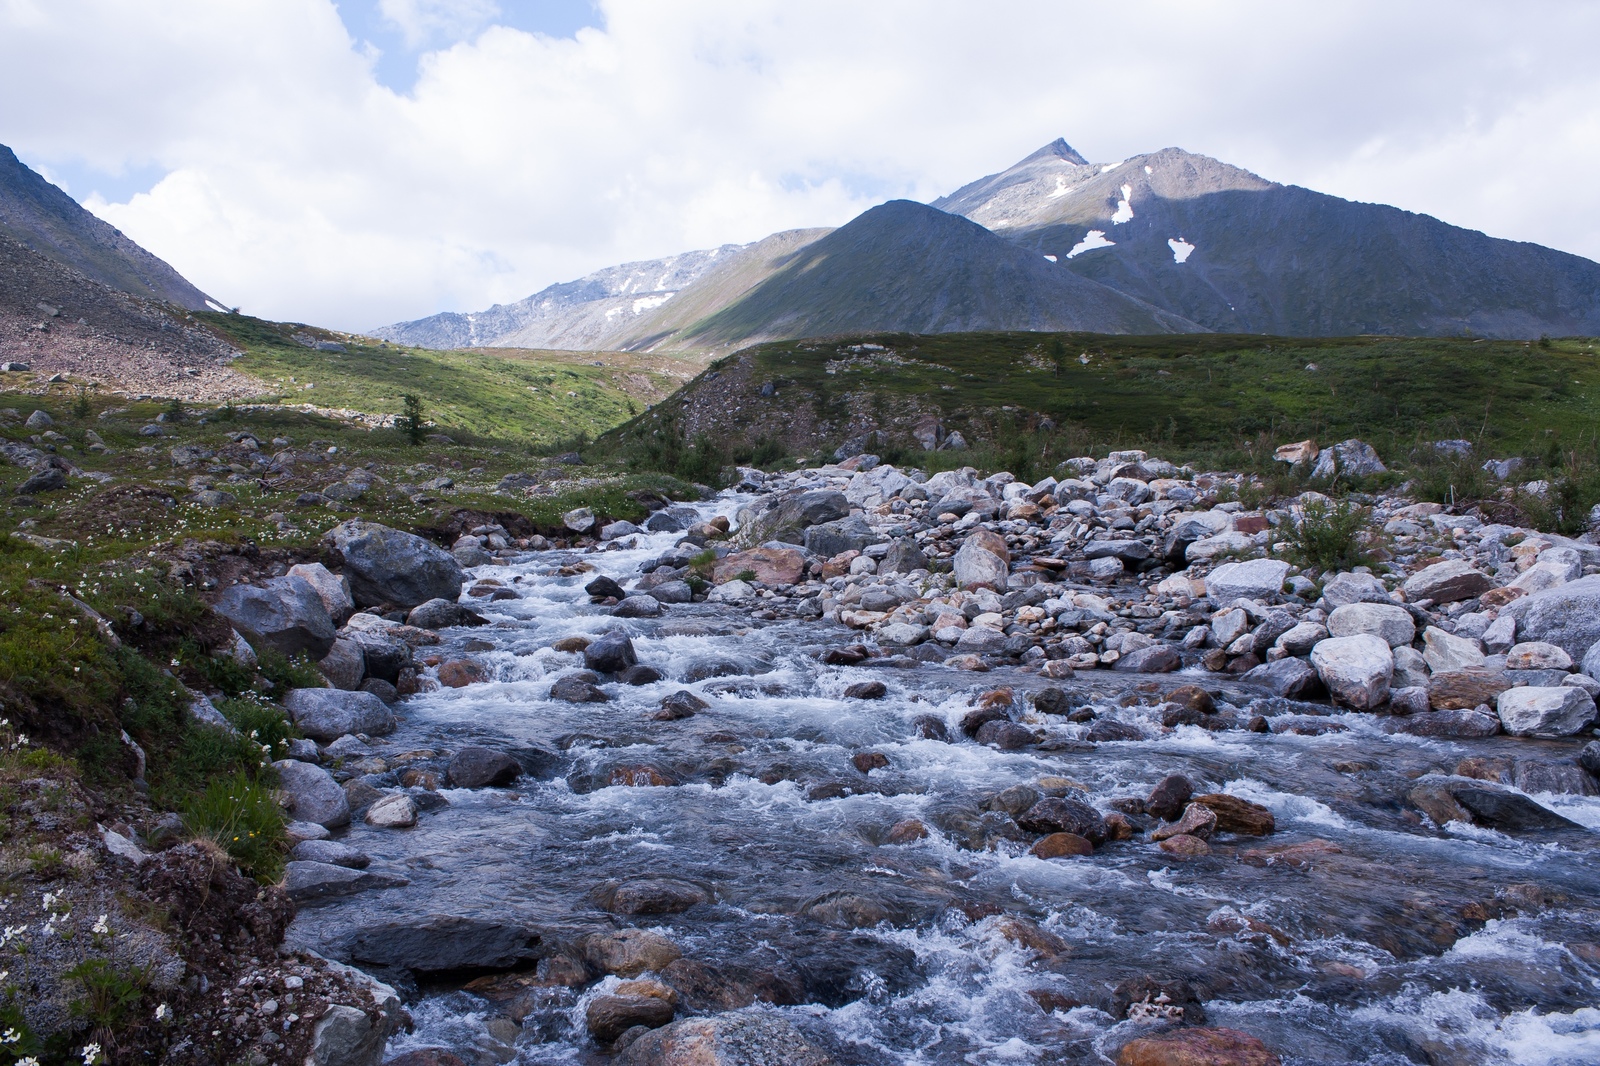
(828, 539)
(1447, 582)
(903, 556)
(1289, 677)
(1559, 711)
(1355, 669)
(446, 944)
(386, 565)
(737, 1038)
(1446, 653)
(1346, 588)
(1352, 458)
(478, 767)
(284, 613)
(332, 589)
(772, 566)
(977, 564)
(793, 514)
(1567, 616)
(611, 654)
(1258, 579)
(311, 794)
(326, 714)
(1387, 620)
(345, 665)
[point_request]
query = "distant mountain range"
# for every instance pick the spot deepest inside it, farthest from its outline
(42, 218)
(1166, 242)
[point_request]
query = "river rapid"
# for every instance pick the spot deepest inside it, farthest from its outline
(1356, 933)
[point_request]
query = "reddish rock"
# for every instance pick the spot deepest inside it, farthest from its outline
(1118, 827)
(1197, 821)
(1299, 856)
(839, 565)
(1198, 1047)
(1062, 846)
(640, 777)
(459, 673)
(1249, 524)
(432, 1056)
(868, 761)
(1462, 690)
(1184, 846)
(1235, 815)
(906, 831)
(1192, 697)
(772, 566)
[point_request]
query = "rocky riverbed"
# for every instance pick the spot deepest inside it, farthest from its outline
(854, 765)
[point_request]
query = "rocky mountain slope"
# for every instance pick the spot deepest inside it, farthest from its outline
(1239, 254)
(46, 220)
(1214, 247)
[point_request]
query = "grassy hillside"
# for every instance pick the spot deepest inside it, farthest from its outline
(511, 394)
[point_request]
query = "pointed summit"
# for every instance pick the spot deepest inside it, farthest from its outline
(1056, 149)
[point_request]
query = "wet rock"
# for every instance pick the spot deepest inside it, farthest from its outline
(1061, 846)
(1258, 579)
(639, 776)
(330, 851)
(867, 690)
(1447, 582)
(1288, 677)
(1390, 622)
(975, 720)
(1589, 757)
(1058, 815)
(308, 881)
(1545, 712)
(381, 689)
(572, 689)
(363, 791)
(446, 945)
(1109, 730)
(680, 704)
(386, 565)
(1053, 701)
(459, 673)
(1156, 659)
(629, 952)
(907, 831)
(638, 605)
(328, 714)
(1183, 846)
(395, 811)
(1005, 735)
(1197, 1047)
(608, 1017)
(480, 767)
(868, 761)
(431, 1056)
(1466, 689)
(1169, 798)
(639, 674)
(440, 613)
(1506, 810)
(707, 667)
(673, 592)
(930, 727)
(312, 794)
(1356, 669)
(733, 1039)
(1235, 815)
(847, 910)
(771, 566)
(1197, 821)
(282, 613)
(604, 588)
(655, 895)
(610, 654)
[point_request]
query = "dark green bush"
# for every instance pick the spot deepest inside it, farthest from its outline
(240, 816)
(1333, 538)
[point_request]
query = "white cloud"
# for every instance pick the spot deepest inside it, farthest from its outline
(301, 188)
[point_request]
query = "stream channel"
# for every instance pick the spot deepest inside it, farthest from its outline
(1354, 934)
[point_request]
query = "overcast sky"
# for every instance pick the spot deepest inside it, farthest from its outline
(359, 162)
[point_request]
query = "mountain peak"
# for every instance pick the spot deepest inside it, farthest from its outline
(1056, 149)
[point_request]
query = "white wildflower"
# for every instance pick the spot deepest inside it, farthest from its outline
(101, 926)
(10, 1036)
(163, 1012)
(91, 1054)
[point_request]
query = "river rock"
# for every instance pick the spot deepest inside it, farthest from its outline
(1197, 821)
(629, 952)
(652, 895)
(1447, 582)
(1288, 677)
(572, 689)
(387, 565)
(1235, 815)
(610, 654)
(678, 705)
(1355, 669)
(308, 881)
(330, 851)
(903, 557)
(578, 520)
(1503, 809)
(1184, 847)
(1169, 798)
(344, 666)
(312, 794)
(1055, 814)
(283, 613)
(446, 944)
(638, 605)
(1156, 659)
(754, 1038)
(1567, 616)
(1460, 723)
(430, 1056)
(1197, 1047)
(441, 613)
(608, 1017)
(332, 589)
(771, 566)
(1537, 655)
(1062, 846)
(478, 767)
(1389, 621)
(1446, 653)
(1258, 579)
(795, 513)
(1545, 712)
(394, 811)
(975, 566)
(1005, 735)
(1465, 689)
(1346, 588)
(328, 714)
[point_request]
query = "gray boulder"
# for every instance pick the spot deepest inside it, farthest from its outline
(386, 565)
(312, 794)
(737, 1038)
(1289, 677)
(1545, 712)
(1387, 620)
(1347, 588)
(326, 714)
(975, 565)
(638, 605)
(1156, 659)
(332, 589)
(441, 613)
(611, 654)
(1351, 458)
(793, 514)
(1258, 579)
(284, 613)
(827, 539)
(332, 852)
(1567, 616)
(1448, 582)
(1355, 669)
(903, 557)
(308, 881)
(345, 665)
(479, 767)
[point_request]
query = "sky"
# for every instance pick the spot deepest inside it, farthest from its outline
(360, 162)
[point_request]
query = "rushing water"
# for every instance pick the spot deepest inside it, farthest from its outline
(1407, 945)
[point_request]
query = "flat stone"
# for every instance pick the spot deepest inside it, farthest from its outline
(1197, 1047)
(1448, 582)
(1257, 579)
(1061, 846)
(771, 566)
(608, 1017)
(756, 1038)
(446, 944)
(1389, 621)
(1559, 711)
(330, 851)
(1235, 815)
(395, 811)
(1466, 689)
(309, 881)
(1156, 659)
(475, 766)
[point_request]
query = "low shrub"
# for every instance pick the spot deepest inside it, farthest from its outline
(242, 818)
(1332, 538)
